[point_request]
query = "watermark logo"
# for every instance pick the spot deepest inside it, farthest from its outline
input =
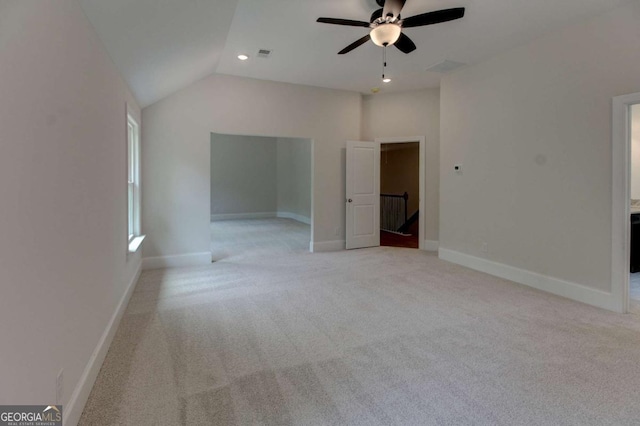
(30, 415)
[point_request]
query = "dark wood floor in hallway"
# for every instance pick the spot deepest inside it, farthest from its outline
(389, 239)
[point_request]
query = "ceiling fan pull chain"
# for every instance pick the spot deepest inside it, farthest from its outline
(384, 60)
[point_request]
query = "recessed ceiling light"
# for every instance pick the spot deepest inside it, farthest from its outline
(386, 80)
(243, 57)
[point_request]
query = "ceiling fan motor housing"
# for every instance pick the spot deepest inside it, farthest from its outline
(376, 16)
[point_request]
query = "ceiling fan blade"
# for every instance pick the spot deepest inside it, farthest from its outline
(355, 44)
(431, 18)
(347, 22)
(393, 8)
(405, 44)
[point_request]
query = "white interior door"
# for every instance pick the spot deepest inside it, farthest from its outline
(363, 195)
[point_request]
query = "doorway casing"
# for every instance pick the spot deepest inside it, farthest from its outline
(621, 196)
(421, 207)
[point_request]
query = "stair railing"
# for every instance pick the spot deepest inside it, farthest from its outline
(393, 211)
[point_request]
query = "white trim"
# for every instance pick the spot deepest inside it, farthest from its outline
(313, 195)
(422, 184)
(260, 215)
(237, 216)
(324, 246)
(553, 285)
(431, 245)
(73, 410)
(134, 157)
(294, 216)
(176, 261)
(620, 197)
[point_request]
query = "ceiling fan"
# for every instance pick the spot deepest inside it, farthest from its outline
(386, 25)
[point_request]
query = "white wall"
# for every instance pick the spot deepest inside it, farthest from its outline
(63, 220)
(415, 113)
(635, 152)
(243, 174)
(533, 130)
(176, 160)
(294, 177)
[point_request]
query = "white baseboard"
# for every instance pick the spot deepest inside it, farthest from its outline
(322, 246)
(176, 261)
(431, 245)
(294, 216)
(73, 410)
(546, 283)
(235, 216)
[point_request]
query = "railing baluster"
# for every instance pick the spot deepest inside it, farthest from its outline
(393, 211)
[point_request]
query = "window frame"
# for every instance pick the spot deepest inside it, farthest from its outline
(134, 234)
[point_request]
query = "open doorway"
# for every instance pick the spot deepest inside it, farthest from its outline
(634, 185)
(623, 195)
(399, 194)
(261, 191)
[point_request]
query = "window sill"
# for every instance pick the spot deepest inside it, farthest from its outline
(136, 243)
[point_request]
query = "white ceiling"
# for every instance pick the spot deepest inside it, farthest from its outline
(161, 46)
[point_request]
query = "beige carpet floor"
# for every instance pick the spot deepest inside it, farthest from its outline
(381, 336)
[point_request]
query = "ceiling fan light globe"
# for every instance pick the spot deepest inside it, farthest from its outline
(385, 34)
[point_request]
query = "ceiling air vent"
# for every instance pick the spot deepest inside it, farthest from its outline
(445, 67)
(264, 53)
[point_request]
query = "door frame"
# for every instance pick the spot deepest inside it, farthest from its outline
(621, 197)
(421, 205)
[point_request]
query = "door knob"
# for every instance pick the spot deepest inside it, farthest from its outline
(350, 200)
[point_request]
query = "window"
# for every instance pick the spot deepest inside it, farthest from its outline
(133, 184)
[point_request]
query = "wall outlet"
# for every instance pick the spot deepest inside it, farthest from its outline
(484, 248)
(60, 386)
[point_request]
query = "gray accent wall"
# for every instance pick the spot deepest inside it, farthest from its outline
(243, 174)
(253, 174)
(294, 177)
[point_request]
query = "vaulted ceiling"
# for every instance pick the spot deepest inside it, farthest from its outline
(161, 46)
